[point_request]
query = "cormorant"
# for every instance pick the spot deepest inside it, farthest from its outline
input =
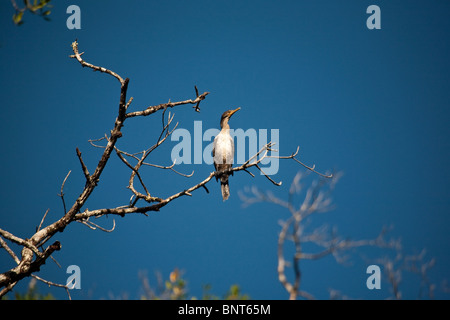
(223, 152)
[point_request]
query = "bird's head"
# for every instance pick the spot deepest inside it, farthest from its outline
(227, 115)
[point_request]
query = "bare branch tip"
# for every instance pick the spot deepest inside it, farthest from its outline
(296, 152)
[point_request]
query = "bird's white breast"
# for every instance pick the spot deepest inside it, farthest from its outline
(223, 148)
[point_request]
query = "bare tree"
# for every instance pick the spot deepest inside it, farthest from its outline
(295, 230)
(396, 267)
(316, 200)
(35, 249)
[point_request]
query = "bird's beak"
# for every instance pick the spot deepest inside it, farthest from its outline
(234, 111)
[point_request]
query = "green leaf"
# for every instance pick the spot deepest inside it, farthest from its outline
(37, 7)
(17, 18)
(46, 12)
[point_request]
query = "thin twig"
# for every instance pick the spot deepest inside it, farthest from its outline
(83, 167)
(8, 249)
(95, 226)
(42, 220)
(313, 169)
(275, 183)
(62, 191)
(49, 283)
(91, 141)
(83, 63)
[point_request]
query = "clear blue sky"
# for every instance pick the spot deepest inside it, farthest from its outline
(373, 104)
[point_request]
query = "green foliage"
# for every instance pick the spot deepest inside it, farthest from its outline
(17, 17)
(39, 7)
(234, 293)
(176, 289)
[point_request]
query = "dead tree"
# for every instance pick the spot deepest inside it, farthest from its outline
(36, 248)
(316, 200)
(295, 230)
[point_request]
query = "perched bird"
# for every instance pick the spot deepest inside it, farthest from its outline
(223, 152)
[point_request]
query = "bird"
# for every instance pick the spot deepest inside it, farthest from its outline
(223, 152)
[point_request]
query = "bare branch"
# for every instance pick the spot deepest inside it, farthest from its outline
(26, 267)
(83, 63)
(93, 226)
(290, 288)
(8, 249)
(83, 167)
(152, 109)
(197, 106)
(128, 103)
(91, 141)
(169, 167)
(270, 179)
(49, 283)
(136, 172)
(312, 169)
(62, 192)
(294, 229)
(42, 220)
(293, 155)
(25, 243)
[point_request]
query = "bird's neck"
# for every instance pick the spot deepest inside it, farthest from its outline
(224, 125)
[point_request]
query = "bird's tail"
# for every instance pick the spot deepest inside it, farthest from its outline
(224, 187)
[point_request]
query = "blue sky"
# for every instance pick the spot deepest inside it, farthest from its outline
(373, 104)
